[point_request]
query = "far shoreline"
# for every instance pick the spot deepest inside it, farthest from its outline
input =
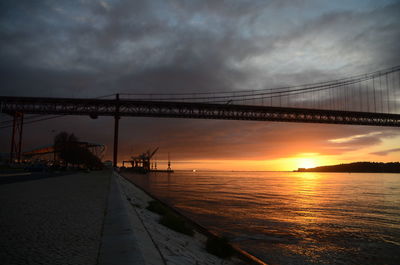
(356, 167)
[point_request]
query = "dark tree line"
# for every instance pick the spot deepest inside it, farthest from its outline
(71, 151)
(392, 167)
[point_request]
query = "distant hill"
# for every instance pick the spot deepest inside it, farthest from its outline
(393, 167)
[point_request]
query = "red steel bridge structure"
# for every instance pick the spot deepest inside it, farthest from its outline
(370, 99)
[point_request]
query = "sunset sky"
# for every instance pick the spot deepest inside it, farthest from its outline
(94, 48)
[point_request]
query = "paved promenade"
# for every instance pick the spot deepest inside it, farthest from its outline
(54, 220)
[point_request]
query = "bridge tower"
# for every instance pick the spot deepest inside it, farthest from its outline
(16, 138)
(116, 127)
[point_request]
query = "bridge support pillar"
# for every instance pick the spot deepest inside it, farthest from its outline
(116, 127)
(16, 137)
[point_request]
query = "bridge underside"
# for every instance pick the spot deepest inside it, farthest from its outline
(132, 108)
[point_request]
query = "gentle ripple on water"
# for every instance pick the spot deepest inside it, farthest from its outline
(290, 217)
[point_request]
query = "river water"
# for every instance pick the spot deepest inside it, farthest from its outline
(290, 217)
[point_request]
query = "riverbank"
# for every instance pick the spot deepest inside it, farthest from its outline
(96, 218)
(174, 247)
(289, 217)
(357, 167)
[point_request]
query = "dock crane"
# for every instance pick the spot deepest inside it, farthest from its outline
(142, 162)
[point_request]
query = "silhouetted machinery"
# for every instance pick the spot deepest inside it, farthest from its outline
(143, 164)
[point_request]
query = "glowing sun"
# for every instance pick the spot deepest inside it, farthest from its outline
(306, 163)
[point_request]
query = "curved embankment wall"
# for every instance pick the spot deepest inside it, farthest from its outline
(241, 254)
(124, 238)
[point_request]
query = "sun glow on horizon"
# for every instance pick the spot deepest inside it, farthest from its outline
(306, 162)
(303, 160)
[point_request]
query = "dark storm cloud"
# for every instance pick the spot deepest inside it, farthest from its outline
(93, 48)
(160, 45)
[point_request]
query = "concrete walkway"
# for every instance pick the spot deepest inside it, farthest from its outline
(82, 218)
(120, 244)
(53, 220)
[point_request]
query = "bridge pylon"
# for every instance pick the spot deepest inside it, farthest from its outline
(116, 127)
(16, 137)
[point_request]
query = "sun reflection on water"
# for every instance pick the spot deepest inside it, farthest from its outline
(291, 217)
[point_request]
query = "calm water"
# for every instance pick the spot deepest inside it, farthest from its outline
(292, 218)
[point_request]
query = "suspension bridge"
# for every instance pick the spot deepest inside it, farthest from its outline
(369, 99)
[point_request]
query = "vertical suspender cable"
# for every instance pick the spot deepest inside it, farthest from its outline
(352, 97)
(359, 96)
(373, 86)
(381, 88)
(270, 97)
(367, 95)
(398, 87)
(387, 93)
(344, 98)
(313, 99)
(394, 92)
(334, 93)
(346, 101)
(284, 101)
(347, 97)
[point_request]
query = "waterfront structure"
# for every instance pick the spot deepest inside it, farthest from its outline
(368, 99)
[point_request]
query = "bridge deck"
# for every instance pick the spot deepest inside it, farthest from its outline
(190, 110)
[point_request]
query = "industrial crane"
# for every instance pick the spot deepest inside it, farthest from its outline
(142, 162)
